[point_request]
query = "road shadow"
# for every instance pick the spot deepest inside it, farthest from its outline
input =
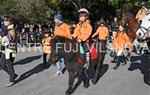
(90, 75)
(27, 60)
(39, 68)
(104, 69)
(143, 66)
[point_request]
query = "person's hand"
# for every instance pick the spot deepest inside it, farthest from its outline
(79, 40)
(72, 36)
(0, 39)
(92, 36)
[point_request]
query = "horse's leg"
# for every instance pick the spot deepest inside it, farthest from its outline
(98, 68)
(148, 44)
(71, 81)
(82, 77)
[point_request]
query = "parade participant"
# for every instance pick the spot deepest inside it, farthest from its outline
(120, 43)
(83, 32)
(61, 29)
(8, 50)
(103, 33)
(46, 45)
(114, 26)
(142, 12)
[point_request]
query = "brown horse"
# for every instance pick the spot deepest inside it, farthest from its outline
(73, 62)
(128, 18)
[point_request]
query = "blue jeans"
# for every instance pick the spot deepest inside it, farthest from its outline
(58, 66)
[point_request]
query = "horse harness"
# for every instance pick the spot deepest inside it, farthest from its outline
(147, 34)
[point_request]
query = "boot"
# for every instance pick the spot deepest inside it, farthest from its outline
(114, 60)
(87, 65)
(44, 60)
(117, 63)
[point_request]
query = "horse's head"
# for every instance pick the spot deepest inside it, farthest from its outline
(56, 48)
(144, 30)
(127, 17)
(131, 23)
(124, 18)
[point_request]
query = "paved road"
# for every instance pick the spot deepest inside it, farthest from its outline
(36, 80)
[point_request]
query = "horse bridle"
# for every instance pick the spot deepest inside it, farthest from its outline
(142, 30)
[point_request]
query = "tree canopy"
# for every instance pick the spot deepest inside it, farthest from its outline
(38, 11)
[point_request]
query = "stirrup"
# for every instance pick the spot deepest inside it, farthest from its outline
(87, 65)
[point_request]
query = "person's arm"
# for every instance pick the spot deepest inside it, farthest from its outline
(76, 32)
(55, 32)
(12, 33)
(138, 14)
(43, 41)
(96, 33)
(68, 33)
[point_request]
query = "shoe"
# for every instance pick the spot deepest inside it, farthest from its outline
(58, 73)
(117, 63)
(113, 61)
(124, 63)
(9, 84)
(115, 68)
(86, 66)
(15, 76)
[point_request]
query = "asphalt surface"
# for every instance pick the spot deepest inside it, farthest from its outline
(36, 80)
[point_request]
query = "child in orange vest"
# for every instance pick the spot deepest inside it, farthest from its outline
(63, 30)
(121, 41)
(83, 31)
(102, 32)
(46, 45)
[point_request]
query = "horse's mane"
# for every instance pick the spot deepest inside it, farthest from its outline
(61, 39)
(129, 14)
(132, 24)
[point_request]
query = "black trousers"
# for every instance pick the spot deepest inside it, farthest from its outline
(7, 66)
(102, 45)
(45, 58)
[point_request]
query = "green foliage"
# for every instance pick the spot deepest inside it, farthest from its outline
(34, 11)
(7, 7)
(31, 11)
(148, 3)
(114, 2)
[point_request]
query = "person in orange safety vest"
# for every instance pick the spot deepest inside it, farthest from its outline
(61, 28)
(102, 33)
(46, 45)
(82, 33)
(120, 43)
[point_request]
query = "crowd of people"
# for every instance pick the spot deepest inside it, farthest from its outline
(82, 32)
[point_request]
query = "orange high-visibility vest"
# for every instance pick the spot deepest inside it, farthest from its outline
(46, 45)
(83, 31)
(102, 32)
(62, 30)
(121, 41)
